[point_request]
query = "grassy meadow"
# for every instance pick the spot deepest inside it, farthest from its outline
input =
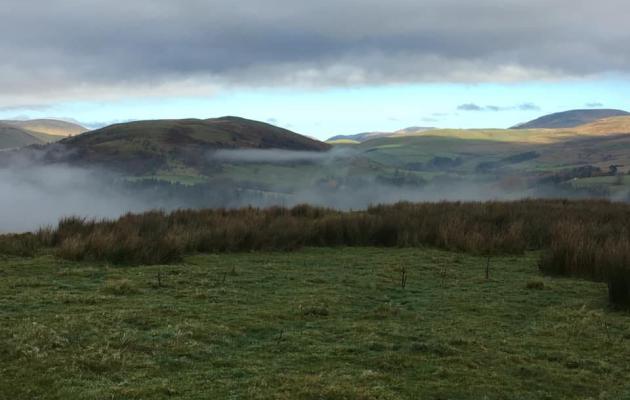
(319, 323)
(481, 300)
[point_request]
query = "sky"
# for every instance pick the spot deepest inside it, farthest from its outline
(318, 68)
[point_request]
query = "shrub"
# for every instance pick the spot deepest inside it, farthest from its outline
(599, 252)
(23, 245)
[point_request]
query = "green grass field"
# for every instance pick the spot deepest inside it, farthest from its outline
(316, 324)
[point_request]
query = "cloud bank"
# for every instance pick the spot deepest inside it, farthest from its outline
(104, 49)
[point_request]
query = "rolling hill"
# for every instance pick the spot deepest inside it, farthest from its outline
(185, 151)
(522, 152)
(15, 134)
(174, 146)
(363, 137)
(50, 127)
(570, 119)
(14, 137)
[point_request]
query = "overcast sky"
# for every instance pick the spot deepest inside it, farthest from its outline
(318, 67)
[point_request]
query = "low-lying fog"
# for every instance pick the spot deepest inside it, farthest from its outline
(34, 195)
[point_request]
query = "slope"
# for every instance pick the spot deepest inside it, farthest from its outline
(49, 127)
(570, 119)
(363, 137)
(13, 137)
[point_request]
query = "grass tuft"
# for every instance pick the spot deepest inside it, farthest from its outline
(120, 287)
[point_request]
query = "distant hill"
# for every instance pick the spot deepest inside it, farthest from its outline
(149, 147)
(13, 137)
(570, 119)
(15, 134)
(363, 137)
(51, 127)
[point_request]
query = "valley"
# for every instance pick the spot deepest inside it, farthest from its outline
(324, 200)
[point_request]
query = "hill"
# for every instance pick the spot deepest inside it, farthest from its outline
(606, 126)
(363, 137)
(14, 137)
(16, 134)
(570, 119)
(522, 152)
(151, 147)
(50, 127)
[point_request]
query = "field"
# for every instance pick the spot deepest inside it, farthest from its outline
(315, 324)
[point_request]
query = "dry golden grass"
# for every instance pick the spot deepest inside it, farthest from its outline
(614, 125)
(607, 126)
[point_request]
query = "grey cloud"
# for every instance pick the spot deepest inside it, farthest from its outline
(100, 48)
(470, 107)
(528, 107)
(493, 108)
(594, 105)
(26, 107)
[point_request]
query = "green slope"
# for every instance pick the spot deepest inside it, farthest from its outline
(556, 148)
(151, 147)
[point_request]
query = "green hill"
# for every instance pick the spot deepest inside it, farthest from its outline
(570, 119)
(185, 151)
(172, 146)
(492, 151)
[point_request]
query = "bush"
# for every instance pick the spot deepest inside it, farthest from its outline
(599, 252)
(23, 245)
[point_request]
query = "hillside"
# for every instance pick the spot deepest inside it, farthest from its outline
(161, 146)
(363, 137)
(15, 134)
(606, 126)
(49, 127)
(523, 152)
(13, 137)
(569, 119)
(184, 151)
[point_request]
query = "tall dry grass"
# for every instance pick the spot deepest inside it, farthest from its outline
(586, 238)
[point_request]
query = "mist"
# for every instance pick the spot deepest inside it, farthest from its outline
(276, 156)
(35, 196)
(35, 193)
